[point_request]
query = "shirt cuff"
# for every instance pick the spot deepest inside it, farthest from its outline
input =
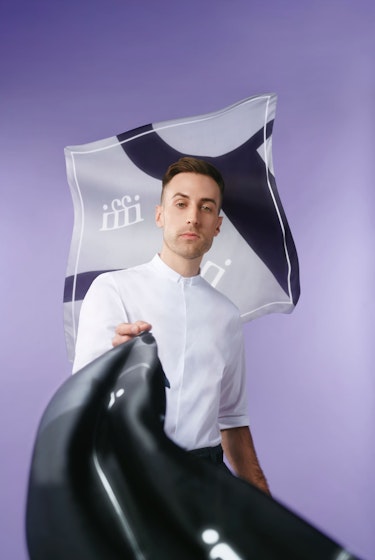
(228, 422)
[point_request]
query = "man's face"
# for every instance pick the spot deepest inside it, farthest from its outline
(189, 215)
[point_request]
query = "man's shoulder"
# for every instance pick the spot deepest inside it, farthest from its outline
(117, 278)
(124, 272)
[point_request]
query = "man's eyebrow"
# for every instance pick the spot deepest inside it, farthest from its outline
(179, 194)
(206, 199)
(209, 200)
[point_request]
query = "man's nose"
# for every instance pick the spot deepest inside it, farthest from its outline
(192, 220)
(192, 217)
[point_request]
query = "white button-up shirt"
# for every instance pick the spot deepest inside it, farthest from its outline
(199, 338)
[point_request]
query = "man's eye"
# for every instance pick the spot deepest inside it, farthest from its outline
(206, 208)
(180, 204)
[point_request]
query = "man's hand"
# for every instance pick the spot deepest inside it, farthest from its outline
(127, 331)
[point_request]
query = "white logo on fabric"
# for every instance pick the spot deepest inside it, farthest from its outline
(122, 213)
(213, 273)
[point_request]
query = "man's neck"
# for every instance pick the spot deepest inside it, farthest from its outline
(185, 267)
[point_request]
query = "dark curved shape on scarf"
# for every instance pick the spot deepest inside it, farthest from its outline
(106, 483)
(247, 202)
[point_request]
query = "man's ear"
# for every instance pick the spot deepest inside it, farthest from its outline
(218, 225)
(159, 217)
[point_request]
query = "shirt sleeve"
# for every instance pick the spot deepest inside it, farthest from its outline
(233, 412)
(101, 311)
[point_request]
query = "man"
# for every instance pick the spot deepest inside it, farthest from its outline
(197, 329)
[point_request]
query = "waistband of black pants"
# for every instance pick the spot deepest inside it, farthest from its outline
(212, 454)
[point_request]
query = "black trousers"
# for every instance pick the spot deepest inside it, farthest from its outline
(212, 454)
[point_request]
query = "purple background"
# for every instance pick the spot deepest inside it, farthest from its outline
(75, 72)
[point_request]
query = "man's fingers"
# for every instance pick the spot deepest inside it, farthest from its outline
(126, 331)
(118, 339)
(142, 326)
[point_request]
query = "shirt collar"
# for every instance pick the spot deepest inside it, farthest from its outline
(171, 274)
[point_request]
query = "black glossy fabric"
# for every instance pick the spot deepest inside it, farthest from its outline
(106, 483)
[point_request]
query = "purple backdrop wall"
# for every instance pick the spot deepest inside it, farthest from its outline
(75, 72)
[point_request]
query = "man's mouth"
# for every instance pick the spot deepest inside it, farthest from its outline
(189, 235)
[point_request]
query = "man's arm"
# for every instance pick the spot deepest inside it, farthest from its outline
(239, 449)
(102, 309)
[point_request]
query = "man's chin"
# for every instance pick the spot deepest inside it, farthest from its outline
(189, 249)
(193, 252)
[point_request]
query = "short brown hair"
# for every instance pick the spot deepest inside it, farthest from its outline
(193, 165)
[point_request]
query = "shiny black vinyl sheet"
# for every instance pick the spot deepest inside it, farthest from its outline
(106, 483)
